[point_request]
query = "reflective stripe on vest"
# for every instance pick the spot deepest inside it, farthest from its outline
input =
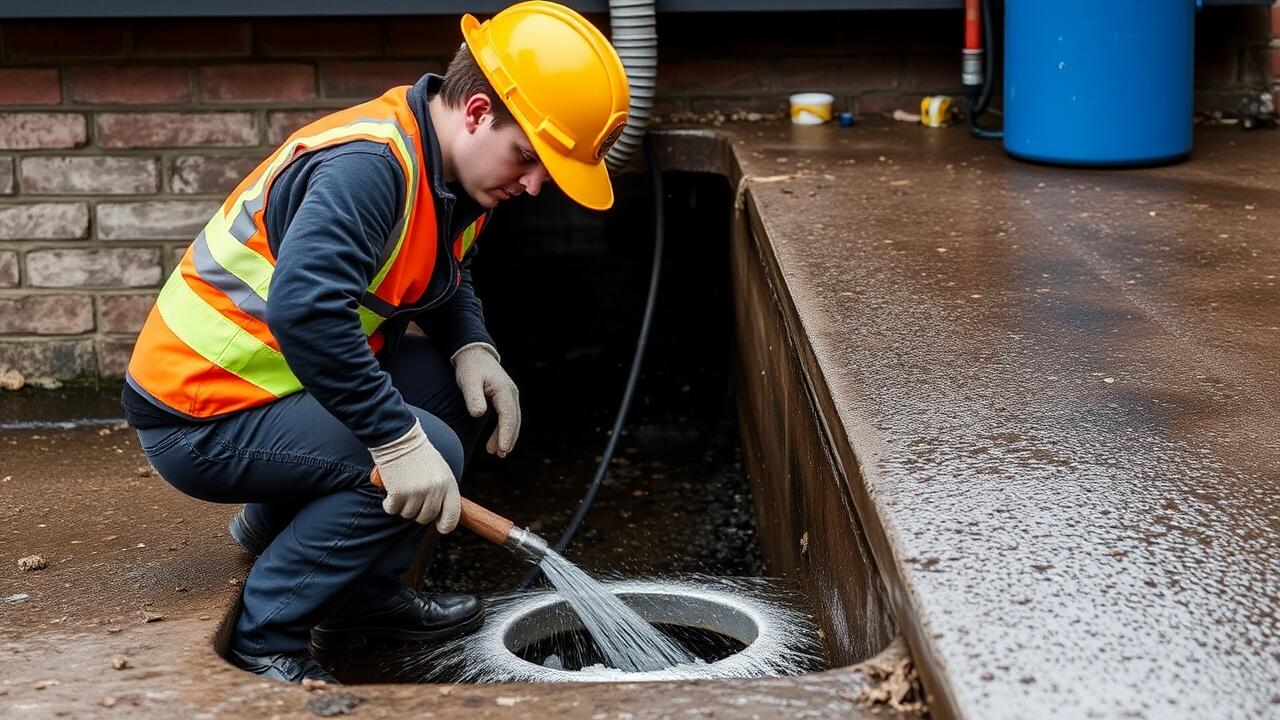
(214, 304)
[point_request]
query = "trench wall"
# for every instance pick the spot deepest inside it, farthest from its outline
(119, 137)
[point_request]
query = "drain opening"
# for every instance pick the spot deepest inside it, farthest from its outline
(553, 637)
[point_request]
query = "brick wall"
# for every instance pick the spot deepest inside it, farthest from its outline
(118, 138)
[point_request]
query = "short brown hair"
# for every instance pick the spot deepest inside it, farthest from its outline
(464, 79)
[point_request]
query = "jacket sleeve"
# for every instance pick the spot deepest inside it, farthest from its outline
(326, 258)
(460, 321)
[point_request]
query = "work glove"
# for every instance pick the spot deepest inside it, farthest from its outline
(419, 483)
(480, 376)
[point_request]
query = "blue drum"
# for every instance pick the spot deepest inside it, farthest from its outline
(1099, 82)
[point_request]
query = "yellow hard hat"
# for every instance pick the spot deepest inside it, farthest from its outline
(564, 84)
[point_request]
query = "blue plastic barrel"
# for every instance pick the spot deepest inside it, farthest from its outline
(1098, 82)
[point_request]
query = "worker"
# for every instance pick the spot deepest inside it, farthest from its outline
(275, 368)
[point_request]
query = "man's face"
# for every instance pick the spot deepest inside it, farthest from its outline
(493, 165)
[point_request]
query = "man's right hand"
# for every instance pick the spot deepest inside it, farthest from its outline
(419, 483)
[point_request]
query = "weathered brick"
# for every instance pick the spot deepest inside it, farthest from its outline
(44, 221)
(761, 103)
(202, 37)
(839, 73)
(65, 38)
(164, 129)
(153, 219)
(431, 35)
(275, 81)
(174, 257)
(30, 86)
(129, 84)
(39, 130)
(89, 175)
(6, 176)
(113, 356)
(370, 78)
(713, 74)
(281, 125)
(46, 315)
(75, 268)
(8, 268)
(319, 36)
(210, 173)
(123, 313)
(63, 359)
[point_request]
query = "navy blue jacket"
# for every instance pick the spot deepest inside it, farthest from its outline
(330, 215)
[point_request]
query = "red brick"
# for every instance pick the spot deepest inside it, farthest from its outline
(204, 38)
(30, 86)
(8, 268)
(834, 74)
(281, 125)
(38, 131)
(713, 75)
(6, 176)
(114, 355)
(89, 174)
(44, 221)
(76, 268)
(153, 219)
(46, 315)
(318, 37)
(65, 38)
(62, 359)
(166, 129)
(123, 313)
(129, 84)
(363, 79)
(257, 82)
(437, 35)
(192, 174)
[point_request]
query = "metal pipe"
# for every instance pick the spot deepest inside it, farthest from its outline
(634, 29)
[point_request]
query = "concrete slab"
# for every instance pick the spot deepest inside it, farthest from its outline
(1053, 393)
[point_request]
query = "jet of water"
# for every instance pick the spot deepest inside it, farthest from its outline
(627, 641)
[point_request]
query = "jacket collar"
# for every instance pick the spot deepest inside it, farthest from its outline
(419, 95)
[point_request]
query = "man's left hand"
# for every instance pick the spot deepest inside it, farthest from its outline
(482, 380)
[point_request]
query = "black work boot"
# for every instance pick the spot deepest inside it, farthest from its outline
(409, 617)
(289, 667)
(250, 538)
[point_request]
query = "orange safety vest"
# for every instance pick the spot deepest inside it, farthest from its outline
(205, 349)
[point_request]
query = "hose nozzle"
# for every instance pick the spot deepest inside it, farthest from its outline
(523, 542)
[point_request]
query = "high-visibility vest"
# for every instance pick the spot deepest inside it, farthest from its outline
(205, 349)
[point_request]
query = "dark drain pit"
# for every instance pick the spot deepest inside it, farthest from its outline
(552, 636)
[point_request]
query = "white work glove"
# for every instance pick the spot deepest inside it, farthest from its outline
(480, 376)
(419, 483)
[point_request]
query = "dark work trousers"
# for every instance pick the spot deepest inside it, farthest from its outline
(305, 480)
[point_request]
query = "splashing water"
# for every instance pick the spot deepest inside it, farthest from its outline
(785, 643)
(627, 641)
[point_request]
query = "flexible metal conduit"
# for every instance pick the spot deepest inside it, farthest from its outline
(634, 26)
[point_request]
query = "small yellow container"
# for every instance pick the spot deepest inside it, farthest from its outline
(811, 108)
(935, 110)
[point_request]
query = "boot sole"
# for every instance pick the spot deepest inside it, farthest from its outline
(355, 638)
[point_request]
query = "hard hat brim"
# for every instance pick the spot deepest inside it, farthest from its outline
(585, 183)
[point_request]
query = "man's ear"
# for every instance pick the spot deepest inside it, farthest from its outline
(477, 108)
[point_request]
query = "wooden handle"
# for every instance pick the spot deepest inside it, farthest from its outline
(487, 524)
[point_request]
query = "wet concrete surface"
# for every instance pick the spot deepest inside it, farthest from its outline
(1054, 395)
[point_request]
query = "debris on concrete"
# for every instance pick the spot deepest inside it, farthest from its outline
(17, 598)
(11, 379)
(150, 617)
(906, 117)
(894, 682)
(32, 562)
(108, 702)
(120, 662)
(44, 382)
(41, 685)
(331, 704)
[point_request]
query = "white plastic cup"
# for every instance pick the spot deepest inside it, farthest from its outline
(811, 108)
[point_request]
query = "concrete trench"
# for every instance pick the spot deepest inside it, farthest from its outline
(867, 433)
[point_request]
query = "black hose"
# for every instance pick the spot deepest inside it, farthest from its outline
(979, 106)
(659, 231)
